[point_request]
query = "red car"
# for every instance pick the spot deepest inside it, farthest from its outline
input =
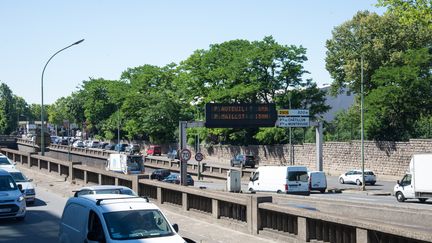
(154, 150)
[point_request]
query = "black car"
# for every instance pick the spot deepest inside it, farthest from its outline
(160, 174)
(175, 178)
(243, 161)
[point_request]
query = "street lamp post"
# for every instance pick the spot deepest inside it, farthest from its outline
(42, 147)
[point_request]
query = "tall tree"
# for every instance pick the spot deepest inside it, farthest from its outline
(8, 117)
(402, 96)
(379, 39)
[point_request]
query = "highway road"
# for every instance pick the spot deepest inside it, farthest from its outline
(42, 220)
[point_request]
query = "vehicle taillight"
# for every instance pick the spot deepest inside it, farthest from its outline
(310, 182)
(286, 187)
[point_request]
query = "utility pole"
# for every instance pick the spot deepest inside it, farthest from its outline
(362, 127)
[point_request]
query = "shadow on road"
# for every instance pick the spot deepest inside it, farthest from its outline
(37, 203)
(38, 227)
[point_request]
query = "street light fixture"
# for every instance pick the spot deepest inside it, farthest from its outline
(42, 146)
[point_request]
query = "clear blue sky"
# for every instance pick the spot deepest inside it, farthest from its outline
(130, 33)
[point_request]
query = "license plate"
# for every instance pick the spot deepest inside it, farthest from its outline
(5, 210)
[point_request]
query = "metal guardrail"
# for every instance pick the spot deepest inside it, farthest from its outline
(248, 213)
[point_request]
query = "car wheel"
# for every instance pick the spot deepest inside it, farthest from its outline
(251, 190)
(358, 182)
(253, 166)
(422, 200)
(322, 190)
(232, 164)
(372, 183)
(400, 197)
(279, 191)
(341, 180)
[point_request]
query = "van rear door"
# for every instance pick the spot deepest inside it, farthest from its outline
(297, 181)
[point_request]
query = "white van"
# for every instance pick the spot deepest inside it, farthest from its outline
(125, 163)
(115, 218)
(286, 179)
(317, 181)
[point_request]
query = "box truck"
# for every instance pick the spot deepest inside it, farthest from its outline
(280, 179)
(125, 163)
(417, 183)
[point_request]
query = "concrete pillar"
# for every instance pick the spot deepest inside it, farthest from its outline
(215, 208)
(135, 182)
(59, 169)
(361, 236)
(253, 216)
(71, 176)
(116, 181)
(100, 179)
(39, 164)
(85, 177)
(49, 166)
(303, 231)
(29, 160)
(185, 204)
(159, 195)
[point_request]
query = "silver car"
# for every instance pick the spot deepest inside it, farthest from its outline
(355, 176)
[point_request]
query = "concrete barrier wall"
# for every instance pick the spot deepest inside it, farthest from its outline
(248, 213)
(384, 158)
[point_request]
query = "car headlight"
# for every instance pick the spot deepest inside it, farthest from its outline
(20, 198)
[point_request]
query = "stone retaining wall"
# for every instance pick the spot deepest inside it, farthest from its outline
(384, 158)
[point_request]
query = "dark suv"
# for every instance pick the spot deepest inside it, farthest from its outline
(243, 161)
(160, 174)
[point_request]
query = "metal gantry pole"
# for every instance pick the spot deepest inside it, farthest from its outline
(362, 127)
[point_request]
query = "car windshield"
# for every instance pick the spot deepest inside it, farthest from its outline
(369, 173)
(7, 183)
(18, 177)
(137, 224)
(4, 161)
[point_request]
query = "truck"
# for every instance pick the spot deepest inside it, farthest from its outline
(125, 163)
(416, 184)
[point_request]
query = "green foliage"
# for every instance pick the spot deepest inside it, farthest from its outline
(399, 101)
(418, 12)
(240, 71)
(380, 39)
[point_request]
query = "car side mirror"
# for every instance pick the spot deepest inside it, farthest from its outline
(20, 188)
(176, 228)
(398, 182)
(14, 163)
(30, 180)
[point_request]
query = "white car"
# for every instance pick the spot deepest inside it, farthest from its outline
(26, 184)
(6, 163)
(355, 176)
(104, 189)
(114, 218)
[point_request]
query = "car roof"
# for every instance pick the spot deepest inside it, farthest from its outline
(3, 172)
(11, 170)
(103, 187)
(116, 202)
